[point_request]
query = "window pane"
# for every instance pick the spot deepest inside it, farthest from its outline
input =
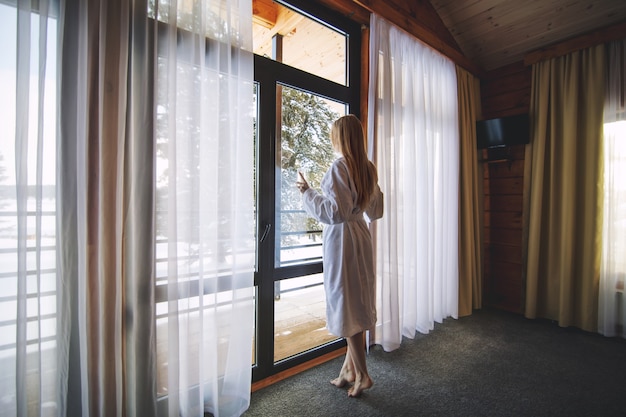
(300, 316)
(306, 44)
(304, 146)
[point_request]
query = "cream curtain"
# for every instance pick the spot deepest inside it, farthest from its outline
(612, 310)
(105, 209)
(470, 196)
(413, 133)
(563, 167)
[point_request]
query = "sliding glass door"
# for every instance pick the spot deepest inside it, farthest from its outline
(302, 86)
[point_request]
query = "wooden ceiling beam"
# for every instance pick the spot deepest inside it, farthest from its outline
(285, 23)
(265, 12)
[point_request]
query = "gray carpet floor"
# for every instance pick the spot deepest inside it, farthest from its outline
(491, 363)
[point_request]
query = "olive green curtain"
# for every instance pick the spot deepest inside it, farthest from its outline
(470, 196)
(563, 175)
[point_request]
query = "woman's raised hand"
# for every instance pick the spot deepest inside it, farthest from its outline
(301, 183)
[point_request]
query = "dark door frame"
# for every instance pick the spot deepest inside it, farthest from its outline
(268, 75)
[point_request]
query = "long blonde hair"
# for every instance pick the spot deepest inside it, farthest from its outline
(346, 135)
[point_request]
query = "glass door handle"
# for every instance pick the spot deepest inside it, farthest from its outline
(268, 227)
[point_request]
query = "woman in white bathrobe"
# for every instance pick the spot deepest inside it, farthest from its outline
(349, 191)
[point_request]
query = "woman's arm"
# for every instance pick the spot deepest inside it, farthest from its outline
(376, 207)
(335, 205)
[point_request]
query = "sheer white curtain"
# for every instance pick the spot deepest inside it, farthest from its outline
(28, 279)
(612, 310)
(414, 141)
(205, 205)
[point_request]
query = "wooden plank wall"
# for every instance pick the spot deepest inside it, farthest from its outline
(504, 92)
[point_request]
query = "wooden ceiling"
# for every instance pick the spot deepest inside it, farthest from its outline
(480, 35)
(494, 33)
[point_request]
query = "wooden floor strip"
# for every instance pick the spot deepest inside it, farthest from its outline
(297, 369)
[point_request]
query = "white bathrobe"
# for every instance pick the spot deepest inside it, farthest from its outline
(349, 278)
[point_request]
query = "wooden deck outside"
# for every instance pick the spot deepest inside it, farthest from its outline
(300, 322)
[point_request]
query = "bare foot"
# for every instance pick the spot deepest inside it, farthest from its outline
(343, 379)
(359, 386)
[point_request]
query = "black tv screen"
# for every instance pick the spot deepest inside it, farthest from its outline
(503, 131)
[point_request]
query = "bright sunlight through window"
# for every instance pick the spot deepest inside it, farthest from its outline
(615, 192)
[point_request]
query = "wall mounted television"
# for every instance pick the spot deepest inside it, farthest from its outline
(503, 131)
